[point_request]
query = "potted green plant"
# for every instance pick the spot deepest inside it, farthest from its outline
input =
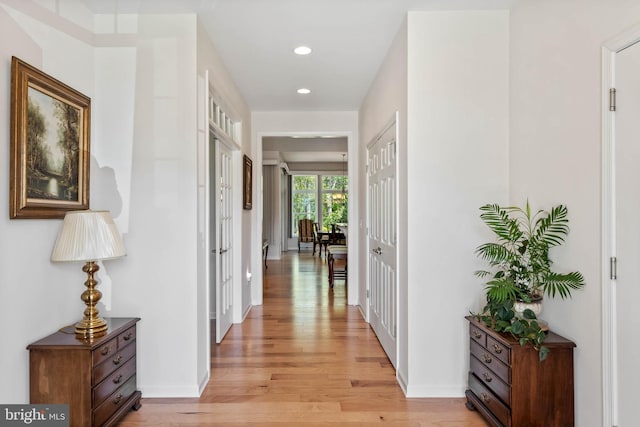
(521, 268)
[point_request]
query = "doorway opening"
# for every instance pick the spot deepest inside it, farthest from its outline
(305, 176)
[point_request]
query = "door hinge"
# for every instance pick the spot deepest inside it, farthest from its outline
(612, 99)
(613, 268)
(367, 293)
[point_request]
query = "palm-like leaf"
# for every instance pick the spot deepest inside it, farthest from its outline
(553, 228)
(562, 284)
(494, 253)
(482, 273)
(501, 290)
(500, 223)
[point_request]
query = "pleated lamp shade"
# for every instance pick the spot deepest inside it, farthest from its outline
(88, 236)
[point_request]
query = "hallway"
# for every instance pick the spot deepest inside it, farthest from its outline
(303, 358)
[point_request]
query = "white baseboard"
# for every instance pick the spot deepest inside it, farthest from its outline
(426, 390)
(402, 382)
(362, 313)
(169, 391)
(203, 383)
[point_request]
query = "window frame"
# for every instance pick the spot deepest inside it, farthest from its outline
(320, 192)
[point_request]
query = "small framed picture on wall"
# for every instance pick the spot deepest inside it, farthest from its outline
(247, 182)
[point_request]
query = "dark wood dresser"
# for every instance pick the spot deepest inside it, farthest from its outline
(97, 378)
(510, 386)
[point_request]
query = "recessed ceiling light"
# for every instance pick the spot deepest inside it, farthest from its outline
(304, 91)
(302, 50)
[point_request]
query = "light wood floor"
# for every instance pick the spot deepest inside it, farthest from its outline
(302, 358)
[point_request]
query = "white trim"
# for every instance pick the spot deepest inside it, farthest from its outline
(207, 218)
(430, 391)
(204, 382)
(395, 119)
(169, 391)
(239, 275)
(236, 161)
(354, 234)
(402, 382)
(608, 248)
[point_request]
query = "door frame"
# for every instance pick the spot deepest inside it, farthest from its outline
(236, 161)
(609, 342)
(218, 145)
(353, 242)
(395, 119)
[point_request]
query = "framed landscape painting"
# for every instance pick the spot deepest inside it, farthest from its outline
(50, 155)
(247, 182)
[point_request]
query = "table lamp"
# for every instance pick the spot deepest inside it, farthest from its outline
(89, 236)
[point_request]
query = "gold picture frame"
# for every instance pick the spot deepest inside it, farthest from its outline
(247, 179)
(50, 157)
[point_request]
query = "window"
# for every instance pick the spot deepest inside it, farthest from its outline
(334, 200)
(332, 193)
(223, 122)
(304, 196)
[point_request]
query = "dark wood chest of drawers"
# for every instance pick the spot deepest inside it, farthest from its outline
(510, 387)
(97, 378)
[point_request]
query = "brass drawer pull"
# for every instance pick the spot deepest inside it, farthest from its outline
(128, 336)
(477, 335)
(117, 399)
(487, 377)
(487, 358)
(117, 359)
(106, 350)
(497, 348)
(485, 397)
(117, 379)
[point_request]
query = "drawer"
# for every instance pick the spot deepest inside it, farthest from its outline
(491, 380)
(113, 381)
(113, 345)
(116, 360)
(499, 350)
(493, 403)
(492, 362)
(104, 351)
(478, 335)
(126, 337)
(118, 398)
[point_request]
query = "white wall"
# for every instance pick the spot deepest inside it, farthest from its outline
(447, 75)
(160, 270)
(555, 155)
(338, 123)
(143, 146)
(36, 296)
(229, 97)
(457, 154)
(388, 94)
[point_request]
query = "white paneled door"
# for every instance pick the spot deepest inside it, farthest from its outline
(223, 253)
(626, 200)
(382, 236)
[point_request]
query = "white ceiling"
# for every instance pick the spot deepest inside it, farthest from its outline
(255, 38)
(318, 149)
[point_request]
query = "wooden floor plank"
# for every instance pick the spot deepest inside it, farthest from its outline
(303, 358)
